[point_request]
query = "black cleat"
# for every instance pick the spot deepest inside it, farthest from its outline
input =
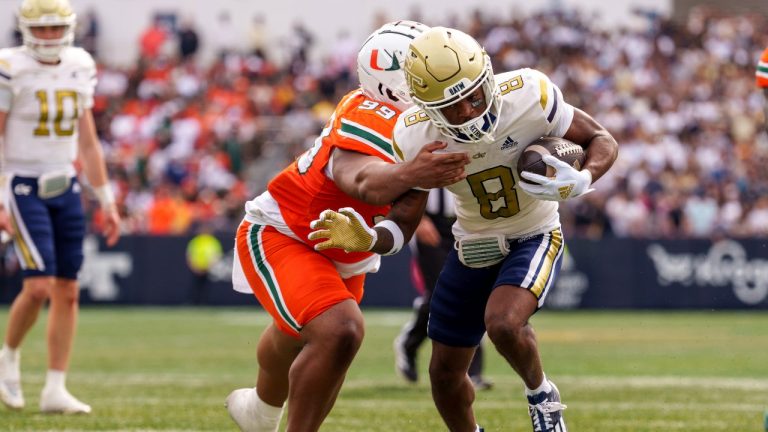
(405, 362)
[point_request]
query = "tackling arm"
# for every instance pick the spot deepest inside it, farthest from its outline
(374, 181)
(347, 230)
(406, 213)
(602, 148)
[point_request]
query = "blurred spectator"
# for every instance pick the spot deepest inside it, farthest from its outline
(203, 251)
(188, 40)
(226, 40)
(88, 32)
(299, 42)
(153, 39)
(15, 38)
(257, 37)
(761, 75)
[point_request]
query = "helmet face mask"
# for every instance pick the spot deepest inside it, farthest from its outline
(444, 67)
(46, 13)
(380, 59)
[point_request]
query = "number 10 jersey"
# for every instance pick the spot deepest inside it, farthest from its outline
(46, 102)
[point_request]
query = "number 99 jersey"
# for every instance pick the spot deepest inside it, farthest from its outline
(297, 195)
(46, 102)
(489, 201)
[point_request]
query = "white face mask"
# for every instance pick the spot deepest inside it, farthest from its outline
(477, 129)
(48, 50)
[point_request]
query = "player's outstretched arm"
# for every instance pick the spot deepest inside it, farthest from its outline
(377, 182)
(95, 169)
(346, 229)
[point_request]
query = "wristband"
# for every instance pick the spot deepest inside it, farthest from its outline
(105, 195)
(397, 235)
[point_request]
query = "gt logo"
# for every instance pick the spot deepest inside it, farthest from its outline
(415, 81)
(22, 189)
(565, 191)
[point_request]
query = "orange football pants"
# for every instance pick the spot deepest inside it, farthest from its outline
(292, 281)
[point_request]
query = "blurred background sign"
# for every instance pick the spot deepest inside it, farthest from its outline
(610, 274)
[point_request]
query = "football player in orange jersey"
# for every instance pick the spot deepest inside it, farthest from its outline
(313, 296)
(761, 76)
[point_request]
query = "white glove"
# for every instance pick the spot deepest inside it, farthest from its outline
(567, 183)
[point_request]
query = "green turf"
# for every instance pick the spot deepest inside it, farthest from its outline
(170, 369)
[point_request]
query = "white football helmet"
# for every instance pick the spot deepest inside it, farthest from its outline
(38, 13)
(444, 66)
(380, 60)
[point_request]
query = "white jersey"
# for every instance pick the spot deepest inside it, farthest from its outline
(46, 101)
(489, 200)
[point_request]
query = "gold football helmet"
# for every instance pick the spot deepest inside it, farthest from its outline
(444, 66)
(39, 13)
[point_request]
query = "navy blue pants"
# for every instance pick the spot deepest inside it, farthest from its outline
(457, 310)
(49, 232)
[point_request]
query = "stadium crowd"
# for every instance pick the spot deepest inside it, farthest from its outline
(187, 145)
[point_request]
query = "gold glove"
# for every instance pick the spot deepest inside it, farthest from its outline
(344, 229)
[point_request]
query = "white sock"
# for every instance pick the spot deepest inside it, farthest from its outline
(55, 379)
(545, 386)
(10, 353)
(10, 358)
(269, 416)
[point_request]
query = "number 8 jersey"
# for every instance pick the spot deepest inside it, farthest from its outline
(488, 201)
(46, 101)
(298, 194)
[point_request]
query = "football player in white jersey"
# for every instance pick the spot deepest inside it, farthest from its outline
(46, 95)
(508, 239)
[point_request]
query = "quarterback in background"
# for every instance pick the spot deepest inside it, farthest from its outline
(508, 238)
(46, 95)
(313, 296)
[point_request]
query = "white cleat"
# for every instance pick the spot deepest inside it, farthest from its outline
(60, 401)
(242, 407)
(10, 394)
(10, 383)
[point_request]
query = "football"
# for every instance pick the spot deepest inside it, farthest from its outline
(531, 158)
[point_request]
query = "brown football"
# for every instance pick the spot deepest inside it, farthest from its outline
(531, 158)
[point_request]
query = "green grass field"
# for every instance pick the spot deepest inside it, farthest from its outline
(170, 369)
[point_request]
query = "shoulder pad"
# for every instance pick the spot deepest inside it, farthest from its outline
(6, 62)
(78, 57)
(412, 131)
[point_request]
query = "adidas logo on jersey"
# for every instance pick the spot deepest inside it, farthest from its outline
(509, 143)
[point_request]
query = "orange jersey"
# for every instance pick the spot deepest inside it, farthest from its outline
(761, 74)
(303, 190)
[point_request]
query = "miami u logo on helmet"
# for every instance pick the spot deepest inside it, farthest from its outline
(394, 63)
